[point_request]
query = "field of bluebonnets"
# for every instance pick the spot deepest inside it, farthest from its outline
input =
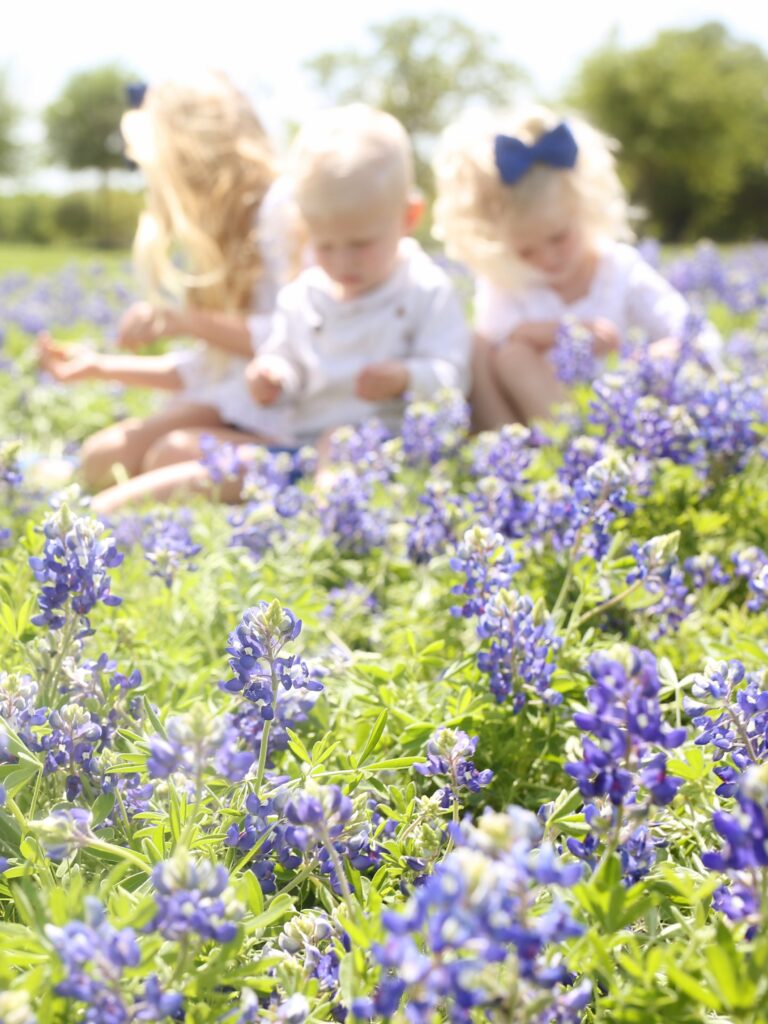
(479, 733)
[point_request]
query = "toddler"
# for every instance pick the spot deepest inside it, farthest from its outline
(374, 317)
(533, 205)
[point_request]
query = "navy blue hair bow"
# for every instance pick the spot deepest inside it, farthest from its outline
(134, 94)
(556, 148)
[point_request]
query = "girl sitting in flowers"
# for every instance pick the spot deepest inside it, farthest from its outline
(534, 207)
(208, 165)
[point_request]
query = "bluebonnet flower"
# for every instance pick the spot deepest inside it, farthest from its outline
(436, 429)
(10, 472)
(193, 742)
(366, 447)
(729, 708)
(625, 717)
(320, 812)
(348, 516)
(73, 568)
(64, 831)
(168, 545)
(506, 454)
(656, 565)
(433, 530)
(448, 753)
(256, 658)
(522, 647)
(486, 561)
(96, 956)
(472, 912)
(705, 570)
(752, 564)
(310, 942)
(744, 855)
(573, 355)
(193, 898)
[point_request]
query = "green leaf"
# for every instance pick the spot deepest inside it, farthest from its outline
(692, 988)
(391, 763)
(373, 737)
(297, 746)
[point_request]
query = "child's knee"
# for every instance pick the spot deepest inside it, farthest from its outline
(99, 453)
(175, 446)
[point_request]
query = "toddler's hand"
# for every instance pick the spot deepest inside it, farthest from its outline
(664, 348)
(380, 381)
(606, 335)
(140, 325)
(66, 363)
(264, 380)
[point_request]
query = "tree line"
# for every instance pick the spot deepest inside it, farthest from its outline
(688, 110)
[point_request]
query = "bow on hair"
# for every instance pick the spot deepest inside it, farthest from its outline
(556, 148)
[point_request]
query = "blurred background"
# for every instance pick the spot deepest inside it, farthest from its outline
(682, 86)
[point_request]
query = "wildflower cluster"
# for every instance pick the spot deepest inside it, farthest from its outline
(98, 960)
(73, 568)
(472, 923)
(193, 899)
(448, 753)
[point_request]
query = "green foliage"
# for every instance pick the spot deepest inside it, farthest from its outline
(83, 124)
(423, 70)
(692, 128)
(8, 118)
(76, 217)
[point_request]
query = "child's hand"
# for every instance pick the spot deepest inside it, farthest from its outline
(664, 348)
(264, 380)
(605, 334)
(140, 325)
(380, 381)
(66, 363)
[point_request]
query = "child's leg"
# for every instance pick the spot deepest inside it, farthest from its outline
(491, 408)
(183, 445)
(126, 443)
(175, 479)
(527, 378)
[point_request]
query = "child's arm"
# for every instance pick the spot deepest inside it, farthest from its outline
(144, 323)
(70, 363)
(280, 368)
(439, 358)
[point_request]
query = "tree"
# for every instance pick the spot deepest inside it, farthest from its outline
(421, 70)
(83, 125)
(9, 116)
(689, 111)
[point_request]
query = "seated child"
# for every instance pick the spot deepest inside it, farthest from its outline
(374, 318)
(206, 255)
(534, 207)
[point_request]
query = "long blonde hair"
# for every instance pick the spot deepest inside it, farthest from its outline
(208, 164)
(475, 212)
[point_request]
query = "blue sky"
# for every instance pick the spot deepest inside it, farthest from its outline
(263, 44)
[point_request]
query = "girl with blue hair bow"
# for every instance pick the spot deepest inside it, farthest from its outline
(533, 206)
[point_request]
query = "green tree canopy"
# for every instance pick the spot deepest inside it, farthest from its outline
(9, 116)
(421, 70)
(691, 113)
(84, 122)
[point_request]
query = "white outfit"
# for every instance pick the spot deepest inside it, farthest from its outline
(320, 343)
(625, 289)
(217, 378)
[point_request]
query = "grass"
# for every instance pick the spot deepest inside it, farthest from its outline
(47, 259)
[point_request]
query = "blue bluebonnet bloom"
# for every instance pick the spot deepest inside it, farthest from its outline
(744, 854)
(64, 831)
(486, 561)
(10, 471)
(752, 564)
(432, 530)
(519, 658)
(195, 741)
(472, 912)
(193, 898)
(348, 516)
(256, 658)
(73, 568)
(626, 719)
(168, 545)
(448, 753)
(436, 429)
(96, 956)
(729, 708)
(573, 353)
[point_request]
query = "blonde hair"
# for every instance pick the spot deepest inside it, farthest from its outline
(349, 158)
(208, 164)
(475, 212)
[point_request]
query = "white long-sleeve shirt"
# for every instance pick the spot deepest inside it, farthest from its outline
(320, 343)
(625, 289)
